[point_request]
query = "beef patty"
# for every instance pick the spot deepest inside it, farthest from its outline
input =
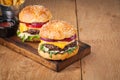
(32, 31)
(56, 48)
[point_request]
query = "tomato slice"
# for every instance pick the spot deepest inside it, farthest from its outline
(66, 39)
(35, 24)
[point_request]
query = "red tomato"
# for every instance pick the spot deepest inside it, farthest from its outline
(35, 24)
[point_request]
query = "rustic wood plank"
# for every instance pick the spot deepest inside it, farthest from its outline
(14, 43)
(99, 25)
(17, 67)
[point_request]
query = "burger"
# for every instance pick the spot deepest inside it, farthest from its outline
(32, 18)
(58, 40)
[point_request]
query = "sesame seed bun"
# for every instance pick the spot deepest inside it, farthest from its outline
(34, 13)
(57, 30)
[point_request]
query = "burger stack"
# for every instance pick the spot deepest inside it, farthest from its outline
(58, 39)
(31, 20)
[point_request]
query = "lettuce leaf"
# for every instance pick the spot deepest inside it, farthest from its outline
(70, 50)
(45, 49)
(26, 36)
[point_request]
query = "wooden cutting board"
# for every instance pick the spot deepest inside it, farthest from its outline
(29, 49)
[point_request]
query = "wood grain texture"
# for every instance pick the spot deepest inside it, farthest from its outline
(16, 67)
(15, 44)
(99, 25)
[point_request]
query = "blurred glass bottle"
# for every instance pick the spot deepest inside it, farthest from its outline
(15, 5)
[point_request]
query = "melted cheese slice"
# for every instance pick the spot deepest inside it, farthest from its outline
(22, 27)
(60, 44)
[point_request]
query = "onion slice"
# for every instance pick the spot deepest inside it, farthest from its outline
(65, 39)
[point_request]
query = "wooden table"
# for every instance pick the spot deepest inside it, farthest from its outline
(98, 22)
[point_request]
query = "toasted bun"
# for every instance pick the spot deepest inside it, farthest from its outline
(57, 30)
(58, 56)
(34, 13)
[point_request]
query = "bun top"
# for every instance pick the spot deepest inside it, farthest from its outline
(34, 13)
(57, 30)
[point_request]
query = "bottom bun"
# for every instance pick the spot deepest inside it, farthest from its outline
(58, 56)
